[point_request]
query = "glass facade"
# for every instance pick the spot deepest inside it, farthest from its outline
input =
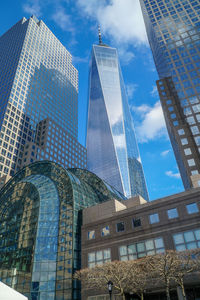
(112, 151)
(40, 228)
(38, 99)
(173, 29)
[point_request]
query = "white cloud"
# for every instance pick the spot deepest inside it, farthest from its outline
(32, 7)
(173, 175)
(152, 125)
(121, 19)
(164, 153)
(125, 55)
(63, 20)
(130, 89)
(154, 92)
(78, 60)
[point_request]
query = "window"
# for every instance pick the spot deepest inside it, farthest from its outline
(105, 231)
(98, 257)
(120, 226)
(191, 162)
(154, 218)
(141, 249)
(181, 132)
(136, 222)
(194, 130)
(172, 213)
(192, 208)
(91, 234)
(184, 141)
(187, 151)
(187, 240)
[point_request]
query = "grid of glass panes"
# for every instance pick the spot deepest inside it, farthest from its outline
(39, 67)
(141, 249)
(187, 240)
(175, 42)
(99, 257)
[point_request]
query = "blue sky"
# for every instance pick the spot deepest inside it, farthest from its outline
(75, 24)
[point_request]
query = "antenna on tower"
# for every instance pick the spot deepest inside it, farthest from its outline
(100, 39)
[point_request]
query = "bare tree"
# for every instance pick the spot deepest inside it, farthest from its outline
(184, 265)
(98, 277)
(162, 267)
(140, 276)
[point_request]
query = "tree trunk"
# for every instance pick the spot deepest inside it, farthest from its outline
(123, 296)
(183, 289)
(167, 291)
(142, 296)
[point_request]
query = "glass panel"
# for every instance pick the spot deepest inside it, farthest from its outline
(180, 247)
(131, 249)
(99, 255)
(191, 245)
(132, 257)
(123, 250)
(105, 231)
(161, 250)
(91, 257)
(152, 252)
(91, 235)
(141, 255)
(149, 245)
(120, 226)
(189, 236)
(192, 208)
(106, 253)
(124, 258)
(197, 234)
(159, 243)
(178, 238)
(172, 213)
(91, 265)
(140, 247)
(154, 218)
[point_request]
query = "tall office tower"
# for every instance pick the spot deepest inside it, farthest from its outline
(173, 29)
(112, 152)
(38, 99)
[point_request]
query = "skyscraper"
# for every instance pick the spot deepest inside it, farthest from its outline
(173, 29)
(112, 151)
(38, 99)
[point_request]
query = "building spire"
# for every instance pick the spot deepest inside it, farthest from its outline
(100, 39)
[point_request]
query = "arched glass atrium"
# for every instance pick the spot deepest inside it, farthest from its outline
(40, 228)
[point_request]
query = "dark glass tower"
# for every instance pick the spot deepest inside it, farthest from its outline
(173, 29)
(38, 99)
(112, 151)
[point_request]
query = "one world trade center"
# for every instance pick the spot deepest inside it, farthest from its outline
(112, 151)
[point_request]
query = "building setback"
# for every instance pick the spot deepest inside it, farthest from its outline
(112, 151)
(173, 29)
(38, 99)
(40, 228)
(133, 228)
